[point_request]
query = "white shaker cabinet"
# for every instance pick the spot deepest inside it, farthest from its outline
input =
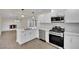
(42, 34)
(23, 36)
(72, 16)
(71, 41)
(45, 18)
(75, 42)
(27, 35)
(34, 34)
(67, 42)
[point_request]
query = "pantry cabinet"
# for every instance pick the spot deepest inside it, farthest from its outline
(72, 16)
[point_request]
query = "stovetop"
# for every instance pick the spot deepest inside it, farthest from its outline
(57, 29)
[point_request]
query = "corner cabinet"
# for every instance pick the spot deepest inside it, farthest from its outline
(72, 16)
(44, 18)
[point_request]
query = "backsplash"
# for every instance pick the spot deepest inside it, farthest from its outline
(72, 27)
(69, 27)
(50, 25)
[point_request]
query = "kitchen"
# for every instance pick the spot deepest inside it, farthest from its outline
(55, 27)
(42, 31)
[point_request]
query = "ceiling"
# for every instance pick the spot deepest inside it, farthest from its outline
(16, 13)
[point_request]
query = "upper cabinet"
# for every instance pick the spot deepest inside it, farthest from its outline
(72, 16)
(45, 18)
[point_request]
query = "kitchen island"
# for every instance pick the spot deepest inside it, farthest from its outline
(26, 35)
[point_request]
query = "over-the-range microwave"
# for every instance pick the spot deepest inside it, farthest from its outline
(57, 18)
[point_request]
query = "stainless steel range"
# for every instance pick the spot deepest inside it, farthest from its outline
(56, 36)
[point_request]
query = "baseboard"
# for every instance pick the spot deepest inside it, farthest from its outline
(42, 40)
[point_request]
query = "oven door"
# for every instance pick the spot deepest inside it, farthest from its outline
(56, 40)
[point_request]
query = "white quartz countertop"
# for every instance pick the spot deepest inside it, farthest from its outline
(27, 29)
(45, 28)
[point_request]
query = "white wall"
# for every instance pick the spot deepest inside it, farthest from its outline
(6, 23)
(69, 27)
(24, 23)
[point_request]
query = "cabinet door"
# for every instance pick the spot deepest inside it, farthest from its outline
(42, 34)
(67, 42)
(25, 36)
(72, 16)
(34, 34)
(75, 43)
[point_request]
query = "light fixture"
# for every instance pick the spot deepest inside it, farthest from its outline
(34, 19)
(22, 15)
(52, 10)
(33, 15)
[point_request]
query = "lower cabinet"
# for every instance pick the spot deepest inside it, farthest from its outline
(42, 34)
(67, 42)
(33, 34)
(25, 36)
(75, 43)
(71, 41)
(28, 35)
